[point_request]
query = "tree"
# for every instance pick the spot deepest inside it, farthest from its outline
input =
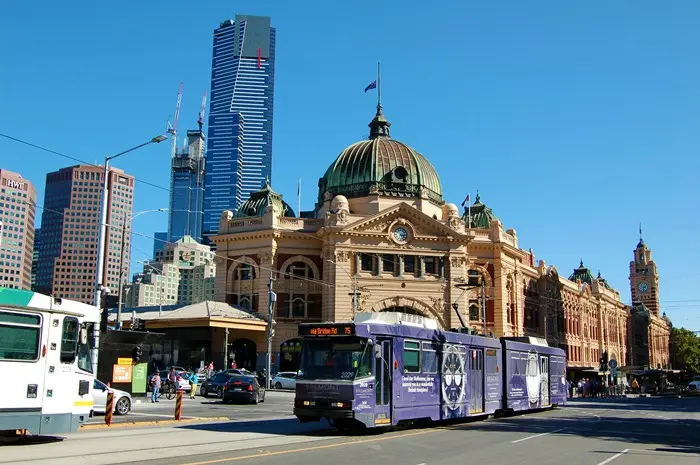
(685, 350)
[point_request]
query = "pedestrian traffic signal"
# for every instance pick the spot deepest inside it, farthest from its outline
(136, 354)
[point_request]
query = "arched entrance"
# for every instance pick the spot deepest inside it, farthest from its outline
(243, 352)
(290, 353)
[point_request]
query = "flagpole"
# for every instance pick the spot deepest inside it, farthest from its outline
(299, 199)
(379, 85)
(469, 208)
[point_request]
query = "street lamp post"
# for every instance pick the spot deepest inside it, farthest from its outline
(353, 279)
(121, 259)
(160, 289)
(103, 216)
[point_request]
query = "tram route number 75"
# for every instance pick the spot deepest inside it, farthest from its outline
(326, 330)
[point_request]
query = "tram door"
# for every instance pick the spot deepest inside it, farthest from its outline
(382, 410)
(544, 380)
(476, 381)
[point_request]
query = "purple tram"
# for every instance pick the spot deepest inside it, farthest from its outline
(387, 369)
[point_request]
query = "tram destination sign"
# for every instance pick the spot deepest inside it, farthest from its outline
(326, 330)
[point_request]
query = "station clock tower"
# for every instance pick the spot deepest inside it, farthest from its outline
(644, 278)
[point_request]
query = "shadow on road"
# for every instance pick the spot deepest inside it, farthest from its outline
(28, 440)
(288, 426)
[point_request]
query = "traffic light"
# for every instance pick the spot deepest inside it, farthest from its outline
(136, 354)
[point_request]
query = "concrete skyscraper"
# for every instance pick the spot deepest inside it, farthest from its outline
(70, 230)
(239, 141)
(17, 210)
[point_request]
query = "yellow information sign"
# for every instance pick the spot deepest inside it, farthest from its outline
(121, 373)
(124, 361)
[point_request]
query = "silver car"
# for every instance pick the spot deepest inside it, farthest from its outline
(122, 399)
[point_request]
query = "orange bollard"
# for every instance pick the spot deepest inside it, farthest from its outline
(178, 406)
(109, 408)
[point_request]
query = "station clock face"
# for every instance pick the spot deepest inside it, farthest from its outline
(643, 287)
(400, 234)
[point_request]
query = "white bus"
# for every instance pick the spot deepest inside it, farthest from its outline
(46, 362)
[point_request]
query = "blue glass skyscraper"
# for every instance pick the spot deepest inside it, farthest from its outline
(187, 189)
(239, 141)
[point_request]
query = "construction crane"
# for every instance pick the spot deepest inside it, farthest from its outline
(172, 128)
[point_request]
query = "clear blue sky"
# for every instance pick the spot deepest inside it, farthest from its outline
(575, 122)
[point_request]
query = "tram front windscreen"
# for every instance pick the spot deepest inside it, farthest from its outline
(343, 358)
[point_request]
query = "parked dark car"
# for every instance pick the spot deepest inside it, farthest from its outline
(243, 388)
(214, 385)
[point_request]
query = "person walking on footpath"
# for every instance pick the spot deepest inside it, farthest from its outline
(155, 385)
(193, 384)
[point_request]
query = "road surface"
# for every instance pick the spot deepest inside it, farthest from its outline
(277, 404)
(645, 431)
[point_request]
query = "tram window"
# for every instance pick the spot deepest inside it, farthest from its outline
(19, 339)
(69, 340)
(411, 357)
(430, 360)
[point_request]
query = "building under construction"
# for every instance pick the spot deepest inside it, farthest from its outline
(187, 181)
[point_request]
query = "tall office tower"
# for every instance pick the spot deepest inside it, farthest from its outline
(160, 238)
(70, 230)
(239, 142)
(17, 210)
(35, 255)
(187, 189)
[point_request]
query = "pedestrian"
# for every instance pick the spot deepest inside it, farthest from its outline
(172, 379)
(155, 385)
(635, 386)
(210, 369)
(193, 384)
(233, 364)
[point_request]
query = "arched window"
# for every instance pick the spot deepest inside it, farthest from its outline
(299, 270)
(474, 312)
(244, 272)
(245, 302)
(474, 278)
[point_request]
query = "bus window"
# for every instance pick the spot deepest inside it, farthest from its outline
(69, 340)
(84, 361)
(411, 357)
(19, 336)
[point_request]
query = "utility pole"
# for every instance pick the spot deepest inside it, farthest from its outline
(121, 274)
(226, 350)
(271, 299)
(483, 304)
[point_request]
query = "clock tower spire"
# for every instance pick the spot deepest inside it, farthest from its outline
(644, 278)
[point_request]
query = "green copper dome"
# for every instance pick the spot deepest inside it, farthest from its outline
(481, 215)
(260, 200)
(582, 273)
(382, 166)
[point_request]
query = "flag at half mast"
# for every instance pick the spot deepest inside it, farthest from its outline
(373, 85)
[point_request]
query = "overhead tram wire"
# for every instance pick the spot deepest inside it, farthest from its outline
(234, 260)
(69, 157)
(54, 152)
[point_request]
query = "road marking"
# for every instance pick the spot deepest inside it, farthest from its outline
(618, 455)
(312, 448)
(536, 436)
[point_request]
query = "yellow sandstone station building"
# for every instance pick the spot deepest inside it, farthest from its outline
(382, 238)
